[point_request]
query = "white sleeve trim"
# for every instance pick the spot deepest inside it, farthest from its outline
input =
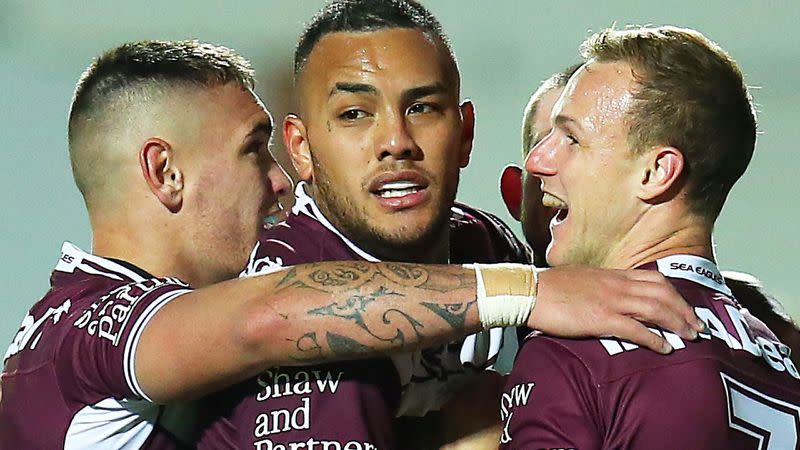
(133, 339)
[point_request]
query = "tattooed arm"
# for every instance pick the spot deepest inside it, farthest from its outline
(218, 335)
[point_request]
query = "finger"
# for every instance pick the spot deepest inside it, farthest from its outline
(654, 285)
(634, 331)
(650, 310)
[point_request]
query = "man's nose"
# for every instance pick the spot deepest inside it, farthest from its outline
(541, 158)
(395, 139)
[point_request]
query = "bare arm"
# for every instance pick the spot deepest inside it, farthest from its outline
(221, 334)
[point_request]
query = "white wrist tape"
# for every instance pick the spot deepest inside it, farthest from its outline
(506, 293)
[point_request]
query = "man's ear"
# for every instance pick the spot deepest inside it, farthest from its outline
(467, 131)
(511, 189)
(157, 161)
(296, 141)
(661, 175)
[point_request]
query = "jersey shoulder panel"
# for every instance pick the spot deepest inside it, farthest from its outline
(71, 364)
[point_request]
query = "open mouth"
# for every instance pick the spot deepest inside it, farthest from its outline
(397, 189)
(561, 207)
(400, 190)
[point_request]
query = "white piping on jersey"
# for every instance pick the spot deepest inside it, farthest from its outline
(693, 268)
(72, 257)
(111, 424)
(279, 242)
(129, 367)
(305, 204)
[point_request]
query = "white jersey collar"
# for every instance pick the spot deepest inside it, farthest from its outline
(694, 268)
(73, 258)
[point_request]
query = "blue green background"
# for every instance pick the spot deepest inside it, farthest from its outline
(505, 48)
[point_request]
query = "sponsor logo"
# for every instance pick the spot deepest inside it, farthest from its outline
(699, 270)
(108, 317)
(519, 395)
(301, 385)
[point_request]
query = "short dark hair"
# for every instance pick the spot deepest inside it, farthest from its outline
(136, 66)
(365, 16)
(157, 62)
(555, 81)
(691, 95)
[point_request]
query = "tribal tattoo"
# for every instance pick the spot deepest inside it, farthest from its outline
(375, 303)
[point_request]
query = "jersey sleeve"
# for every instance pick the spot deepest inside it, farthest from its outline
(550, 400)
(99, 347)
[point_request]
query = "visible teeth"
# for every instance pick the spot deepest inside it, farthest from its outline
(552, 201)
(397, 192)
(398, 185)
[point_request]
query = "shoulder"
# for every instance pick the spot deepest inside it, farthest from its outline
(541, 352)
(480, 236)
(300, 239)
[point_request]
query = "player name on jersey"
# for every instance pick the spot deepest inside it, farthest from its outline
(776, 354)
(735, 387)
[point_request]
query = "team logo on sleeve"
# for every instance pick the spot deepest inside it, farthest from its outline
(27, 335)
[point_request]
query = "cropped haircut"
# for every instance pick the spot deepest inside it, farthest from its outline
(691, 95)
(556, 81)
(359, 16)
(136, 67)
(157, 63)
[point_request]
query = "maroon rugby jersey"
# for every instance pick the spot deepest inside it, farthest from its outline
(69, 379)
(733, 388)
(351, 404)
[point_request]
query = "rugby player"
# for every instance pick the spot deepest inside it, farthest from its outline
(521, 191)
(168, 145)
(522, 195)
(379, 141)
(648, 138)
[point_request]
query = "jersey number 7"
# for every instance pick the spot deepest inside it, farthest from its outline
(775, 423)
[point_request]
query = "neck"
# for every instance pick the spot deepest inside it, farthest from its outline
(144, 245)
(656, 236)
(433, 251)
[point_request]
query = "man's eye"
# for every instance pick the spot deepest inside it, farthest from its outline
(419, 108)
(353, 114)
(572, 139)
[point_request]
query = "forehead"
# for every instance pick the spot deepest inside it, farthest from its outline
(401, 55)
(598, 95)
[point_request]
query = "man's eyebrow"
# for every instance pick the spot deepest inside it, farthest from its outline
(353, 88)
(562, 120)
(423, 91)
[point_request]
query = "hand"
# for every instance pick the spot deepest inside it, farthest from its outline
(584, 302)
